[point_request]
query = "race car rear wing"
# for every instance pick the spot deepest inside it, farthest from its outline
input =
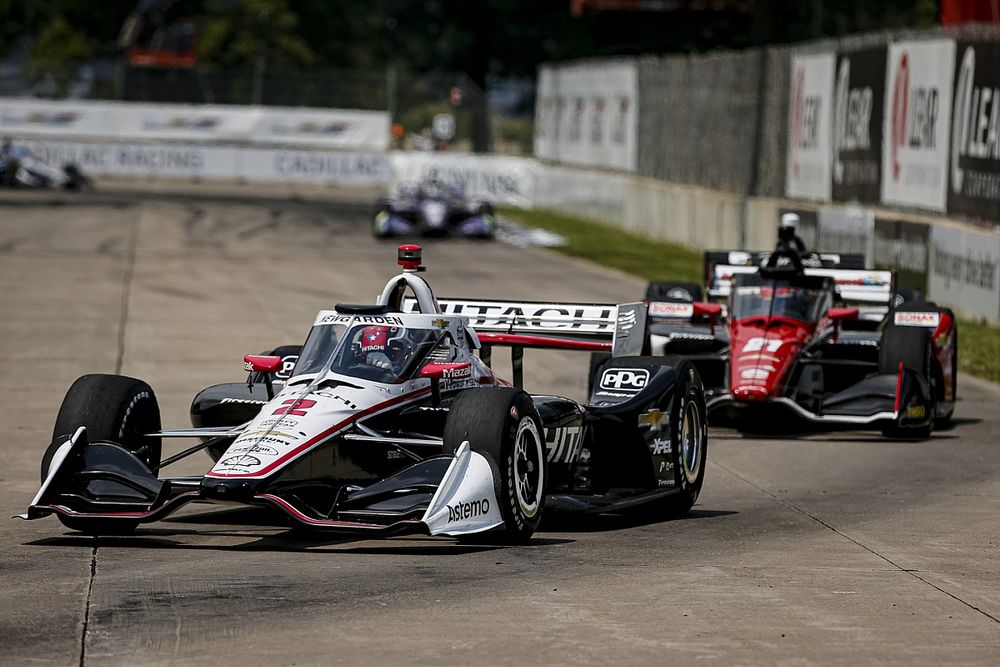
(870, 290)
(591, 327)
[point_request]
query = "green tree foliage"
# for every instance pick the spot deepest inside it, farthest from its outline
(479, 37)
(236, 34)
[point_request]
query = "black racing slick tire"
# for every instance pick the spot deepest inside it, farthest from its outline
(689, 438)
(689, 432)
(910, 346)
(503, 425)
(664, 291)
(114, 409)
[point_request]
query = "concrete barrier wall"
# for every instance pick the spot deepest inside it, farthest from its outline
(954, 263)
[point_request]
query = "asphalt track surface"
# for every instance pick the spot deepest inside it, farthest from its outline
(838, 549)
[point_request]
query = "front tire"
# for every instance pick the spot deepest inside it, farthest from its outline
(503, 425)
(115, 409)
(689, 438)
(910, 346)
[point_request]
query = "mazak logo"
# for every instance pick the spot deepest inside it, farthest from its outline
(460, 373)
(625, 379)
(463, 511)
(914, 115)
(852, 113)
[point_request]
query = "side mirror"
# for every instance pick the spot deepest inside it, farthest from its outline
(447, 371)
(706, 308)
(438, 371)
(841, 314)
(711, 310)
(259, 363)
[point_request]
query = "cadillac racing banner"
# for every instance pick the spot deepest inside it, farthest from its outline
(915, 129)
(974, 159)
(858, 98)
(811, 103)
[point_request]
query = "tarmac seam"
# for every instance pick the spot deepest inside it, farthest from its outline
(129, 274)
(86, 607)
(803, 512)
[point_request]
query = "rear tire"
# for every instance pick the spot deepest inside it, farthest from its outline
(503, 425)
(689, 438)
(114, 409)
(910, 346)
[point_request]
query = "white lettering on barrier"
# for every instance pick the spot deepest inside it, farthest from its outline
(136, 122)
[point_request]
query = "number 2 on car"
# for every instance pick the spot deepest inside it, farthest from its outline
(294, 406)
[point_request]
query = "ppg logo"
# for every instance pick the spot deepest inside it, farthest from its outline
(625, 379)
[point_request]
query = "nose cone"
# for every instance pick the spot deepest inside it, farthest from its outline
(746, 393)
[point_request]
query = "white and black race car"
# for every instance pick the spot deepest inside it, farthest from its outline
(392, 422)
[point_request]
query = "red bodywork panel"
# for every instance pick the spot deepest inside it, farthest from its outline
(943, 345)
(260, 363)
(762, 351)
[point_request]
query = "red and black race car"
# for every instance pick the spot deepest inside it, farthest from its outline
(790, 340)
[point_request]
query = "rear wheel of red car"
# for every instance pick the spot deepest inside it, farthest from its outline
(910, 346)
(503, 425)
(115, 409)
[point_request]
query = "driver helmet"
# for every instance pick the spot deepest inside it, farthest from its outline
(789, 223)
(382, 346)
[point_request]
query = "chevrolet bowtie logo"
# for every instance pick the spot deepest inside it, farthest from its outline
(653, 419)
(440, 324)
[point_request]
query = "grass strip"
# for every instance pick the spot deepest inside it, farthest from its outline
(608, 245)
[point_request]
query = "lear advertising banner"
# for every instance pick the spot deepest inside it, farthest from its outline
(903, 246)
(809, 116)
(963, 270)
(586, 114)
(858, 99)
(974, 159)
(916, 123)
(847, 230)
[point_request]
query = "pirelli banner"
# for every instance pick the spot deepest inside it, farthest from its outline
(974, 158)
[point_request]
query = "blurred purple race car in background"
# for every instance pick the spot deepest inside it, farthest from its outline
(433, 208)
